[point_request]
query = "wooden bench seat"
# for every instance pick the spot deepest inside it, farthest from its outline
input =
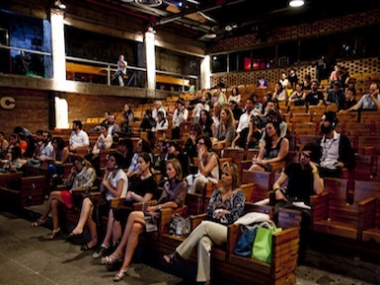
(337, 217)
(282, 269)
(25, 191)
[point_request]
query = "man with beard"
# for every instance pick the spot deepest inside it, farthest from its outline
(304, 180)
(78, 137)
(337, 152)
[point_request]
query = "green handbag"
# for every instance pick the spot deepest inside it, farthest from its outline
(262, 246)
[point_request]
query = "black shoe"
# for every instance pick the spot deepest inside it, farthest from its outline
(100, 252)
(73, 238)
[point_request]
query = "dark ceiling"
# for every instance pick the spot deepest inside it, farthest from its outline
(211, 19)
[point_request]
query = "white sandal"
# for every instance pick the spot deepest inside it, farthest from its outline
(120, 275)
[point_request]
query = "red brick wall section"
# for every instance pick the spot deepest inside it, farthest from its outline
(31, 110)
(83, 106)
(317, 28)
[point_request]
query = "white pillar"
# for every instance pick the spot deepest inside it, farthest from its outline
(58, 46)
(150, 63)
(205, 73)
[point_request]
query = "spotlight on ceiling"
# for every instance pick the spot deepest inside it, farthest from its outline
(296, 3)
(150, 3)
(59, 5)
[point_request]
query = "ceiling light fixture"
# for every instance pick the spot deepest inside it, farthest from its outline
(296, 3)
(150, 3)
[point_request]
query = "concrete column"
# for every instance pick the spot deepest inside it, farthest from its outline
(58, 46)
(150, 63)
(205, 72)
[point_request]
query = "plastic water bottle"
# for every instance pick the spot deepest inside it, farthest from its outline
(178, 230)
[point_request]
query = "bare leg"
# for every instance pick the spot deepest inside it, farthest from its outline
(110, 223)
(134, 217)
(55, 213)
(53, 195)
(256, 167)
(117, 232)
(85, 212)
(94, 234)
(133, 240)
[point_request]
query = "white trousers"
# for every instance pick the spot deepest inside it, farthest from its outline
(197, 182)
(204, 236)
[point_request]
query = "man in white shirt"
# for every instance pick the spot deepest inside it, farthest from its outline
(78, 137)
(121, 70)
(243, 122)
(180, 115)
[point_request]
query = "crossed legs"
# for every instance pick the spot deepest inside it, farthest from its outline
(86, 218)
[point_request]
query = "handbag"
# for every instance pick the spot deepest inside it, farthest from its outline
(179, 225)
(245, 242)
(262, 246)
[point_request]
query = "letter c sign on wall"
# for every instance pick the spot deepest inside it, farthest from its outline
(7, 103)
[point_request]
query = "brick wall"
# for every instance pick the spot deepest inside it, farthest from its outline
(83, 106)
(31, 110)
(318, 28)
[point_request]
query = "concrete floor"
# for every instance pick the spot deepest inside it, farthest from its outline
(27, 257)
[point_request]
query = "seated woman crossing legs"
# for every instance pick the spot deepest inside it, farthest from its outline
(81, 178)
(142, 188)
(114, 184)
(225, 207)
(173, 196)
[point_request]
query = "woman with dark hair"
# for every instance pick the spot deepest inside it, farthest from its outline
(159, 156)
(236, 111)
(59, 157)
(128, 114)
(31, 148)
(143, 188)
(273, 149)
(208, 166)
(81, 178)
(175, 151)
(173, 196)
(125, 147)
(142, 146)
(191, 144)
(206, 121)
(279, 92)
(235, 96)
(225, 207)
(13, 161)
(60, 151)
(114, 185)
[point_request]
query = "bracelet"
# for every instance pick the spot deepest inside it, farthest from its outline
(159, 207)
(314, 171)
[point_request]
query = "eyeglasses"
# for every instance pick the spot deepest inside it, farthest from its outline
(160, 145)
(306, 155)
(200, 143)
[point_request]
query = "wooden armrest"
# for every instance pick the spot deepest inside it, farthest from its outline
(367, 213)
(195, 220)
(319, 206)
(117, 202)
(139, 205)
(233, 235)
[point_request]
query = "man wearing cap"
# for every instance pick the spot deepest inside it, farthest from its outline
(180, 115)
(336, 96)
(337, 152)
